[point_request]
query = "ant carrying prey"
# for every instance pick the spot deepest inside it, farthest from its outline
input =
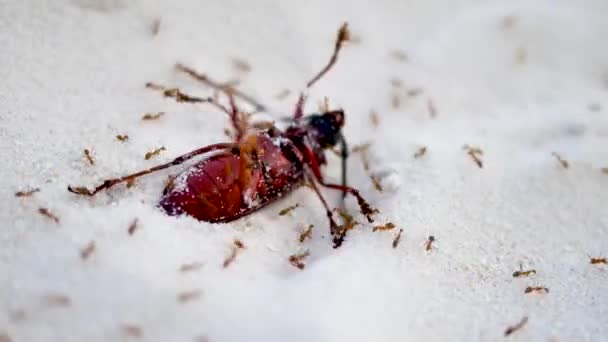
(260, 166)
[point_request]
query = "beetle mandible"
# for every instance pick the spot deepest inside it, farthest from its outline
(260, 166)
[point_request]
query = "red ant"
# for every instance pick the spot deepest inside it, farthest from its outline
(522, 273)
(260, 166)
(531, 289)
(518, 326)
(428, 245)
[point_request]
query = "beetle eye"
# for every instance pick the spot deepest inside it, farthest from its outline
(327, 130)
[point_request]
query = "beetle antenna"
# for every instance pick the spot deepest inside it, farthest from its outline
(219, 86)
(344, 156)
(343, 36)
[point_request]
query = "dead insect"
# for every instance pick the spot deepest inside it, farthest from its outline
(296, 259)
(87, 250)
(564, 163)
(152, 116)
(596, 261)
(605, 170)
(430, 105)
(27, 193)
(48, 213)
(387, 226)
(428, 246)
(154, 153)
(133, 226)
(195, 266)
(188, 296)
(420, 152)
(289, 209)
(259, 167)
(132, 330)
(282, 94)
(89, 156)
(531, 289)
(122, 138)
(397, 238)
(306, 234)
(475, 153)
(399, 55)
(516, 327)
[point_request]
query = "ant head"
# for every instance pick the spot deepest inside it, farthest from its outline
(327, 127)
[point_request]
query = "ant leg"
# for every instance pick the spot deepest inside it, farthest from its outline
(220, 87)
(343, 36)
(365, 208)
(111, 182)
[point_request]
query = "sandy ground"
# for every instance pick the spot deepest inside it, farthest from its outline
(518, 79)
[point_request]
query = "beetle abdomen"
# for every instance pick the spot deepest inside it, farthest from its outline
(227, 186)
(204, 193)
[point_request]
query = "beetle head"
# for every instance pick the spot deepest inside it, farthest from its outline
(327, 127)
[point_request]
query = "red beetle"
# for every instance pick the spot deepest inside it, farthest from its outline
(262, 165)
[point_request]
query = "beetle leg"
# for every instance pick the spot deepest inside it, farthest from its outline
(334, 229)
(299, 112)
(111, 182)
(365, 208)
(238, 121)
(344, 155)
(180, 96)
(220, 87)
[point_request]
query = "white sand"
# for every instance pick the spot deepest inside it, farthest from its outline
(72, 76)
